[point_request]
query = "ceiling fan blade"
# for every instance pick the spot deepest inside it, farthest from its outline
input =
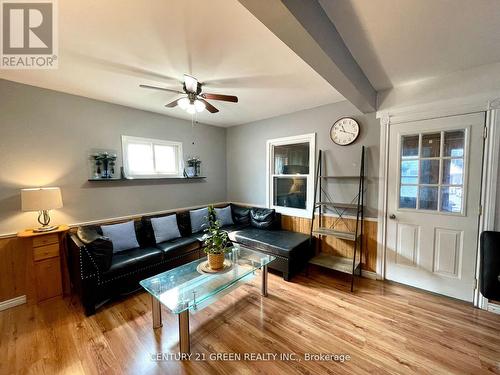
(210, 107)
(226, 98)
(172, 104)
(160, 88)
(190, 83)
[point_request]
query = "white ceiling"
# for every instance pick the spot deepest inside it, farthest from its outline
(107, 48)
(398, 42)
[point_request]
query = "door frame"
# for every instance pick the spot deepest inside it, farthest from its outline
(491, 152)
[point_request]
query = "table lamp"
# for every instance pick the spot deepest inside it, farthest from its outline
(41, 200)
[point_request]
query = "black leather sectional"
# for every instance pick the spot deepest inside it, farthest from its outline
(97, 274)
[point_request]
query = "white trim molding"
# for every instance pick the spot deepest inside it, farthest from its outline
(16, 301)
(454, 107)
(489, 184)
(385, 122)
(128, 217)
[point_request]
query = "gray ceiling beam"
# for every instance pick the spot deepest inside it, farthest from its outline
(306, 29)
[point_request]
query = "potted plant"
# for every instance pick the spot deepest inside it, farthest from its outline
(216, 241)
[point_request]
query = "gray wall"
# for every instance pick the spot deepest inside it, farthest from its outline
(246, 151)
(46, 137)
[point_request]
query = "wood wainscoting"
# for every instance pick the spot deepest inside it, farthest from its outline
(16, 273)
(334, 246)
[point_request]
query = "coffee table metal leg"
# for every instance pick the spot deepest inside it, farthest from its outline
(156, 313)
(184, 339)
(264, 281)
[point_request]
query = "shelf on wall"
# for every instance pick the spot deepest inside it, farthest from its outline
(146, 179)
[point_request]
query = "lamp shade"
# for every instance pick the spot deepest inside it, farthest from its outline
(39, 199)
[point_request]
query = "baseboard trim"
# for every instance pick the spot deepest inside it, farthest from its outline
(494, 308)
(369, 274)
(4, 305)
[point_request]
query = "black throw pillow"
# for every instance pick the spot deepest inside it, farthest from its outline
(241, 215)
(262, 218)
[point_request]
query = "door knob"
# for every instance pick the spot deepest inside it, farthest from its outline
(392, 217)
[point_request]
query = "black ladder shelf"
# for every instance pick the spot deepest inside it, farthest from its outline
(322, 202)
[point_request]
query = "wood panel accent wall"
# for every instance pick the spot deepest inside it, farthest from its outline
(16, 273)
(334, 246)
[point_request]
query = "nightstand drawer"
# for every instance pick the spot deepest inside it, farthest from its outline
(45, 239)
(45, 252)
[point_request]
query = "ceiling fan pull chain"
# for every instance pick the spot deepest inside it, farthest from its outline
(192, 128)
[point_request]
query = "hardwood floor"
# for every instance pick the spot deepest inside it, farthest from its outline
(384, 327)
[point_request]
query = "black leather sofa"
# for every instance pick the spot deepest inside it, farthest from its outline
(97, 274)
(489, 265)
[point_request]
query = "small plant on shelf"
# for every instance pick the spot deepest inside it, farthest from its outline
(216, 241)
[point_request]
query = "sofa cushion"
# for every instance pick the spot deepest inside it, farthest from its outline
(122, 235)
(241, 215)
(131, 260)
(262, 218)
(171, 247)
(280, 242)
(234, 227)
(223, 216)
(199, 219)
(99, 247)
(165, 228)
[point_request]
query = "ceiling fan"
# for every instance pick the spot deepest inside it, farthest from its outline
(195, 100)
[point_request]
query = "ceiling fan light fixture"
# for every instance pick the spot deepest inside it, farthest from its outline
(191, 109)
(199, 105)
(184, 103)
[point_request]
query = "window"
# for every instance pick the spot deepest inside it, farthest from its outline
(432, 171)
(290, 171)
(151, 158)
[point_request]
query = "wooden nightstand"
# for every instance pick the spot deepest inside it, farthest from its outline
(46, 255)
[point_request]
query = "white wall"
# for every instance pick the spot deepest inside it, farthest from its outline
(45, 140)
(480, 83)
(246, 151)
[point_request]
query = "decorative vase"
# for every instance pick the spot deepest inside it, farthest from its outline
(216, 261)
(190, 171)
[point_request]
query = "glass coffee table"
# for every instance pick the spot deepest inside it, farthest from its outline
(187, 288)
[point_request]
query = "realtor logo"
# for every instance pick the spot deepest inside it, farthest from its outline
(29, 38)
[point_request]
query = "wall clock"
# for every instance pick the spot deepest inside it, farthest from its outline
(344, 131)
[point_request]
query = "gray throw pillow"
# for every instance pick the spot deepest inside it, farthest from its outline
(121, 235)
(199, 219)
(165, 228)
(224, 216)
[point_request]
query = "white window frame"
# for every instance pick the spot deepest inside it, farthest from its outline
(271, 143)
(179, 157)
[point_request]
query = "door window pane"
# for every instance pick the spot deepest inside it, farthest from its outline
(408, 197)
(454, 142)
(290, 192)
(291, 159)
(409, 146)
(451, 199)
(429, 171)
(453, 172)
(431, 143)
(428, 198)
(409, 171)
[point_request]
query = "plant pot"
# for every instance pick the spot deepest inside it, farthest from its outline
(216, 261)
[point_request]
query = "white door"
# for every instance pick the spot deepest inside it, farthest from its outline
(433, 203)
